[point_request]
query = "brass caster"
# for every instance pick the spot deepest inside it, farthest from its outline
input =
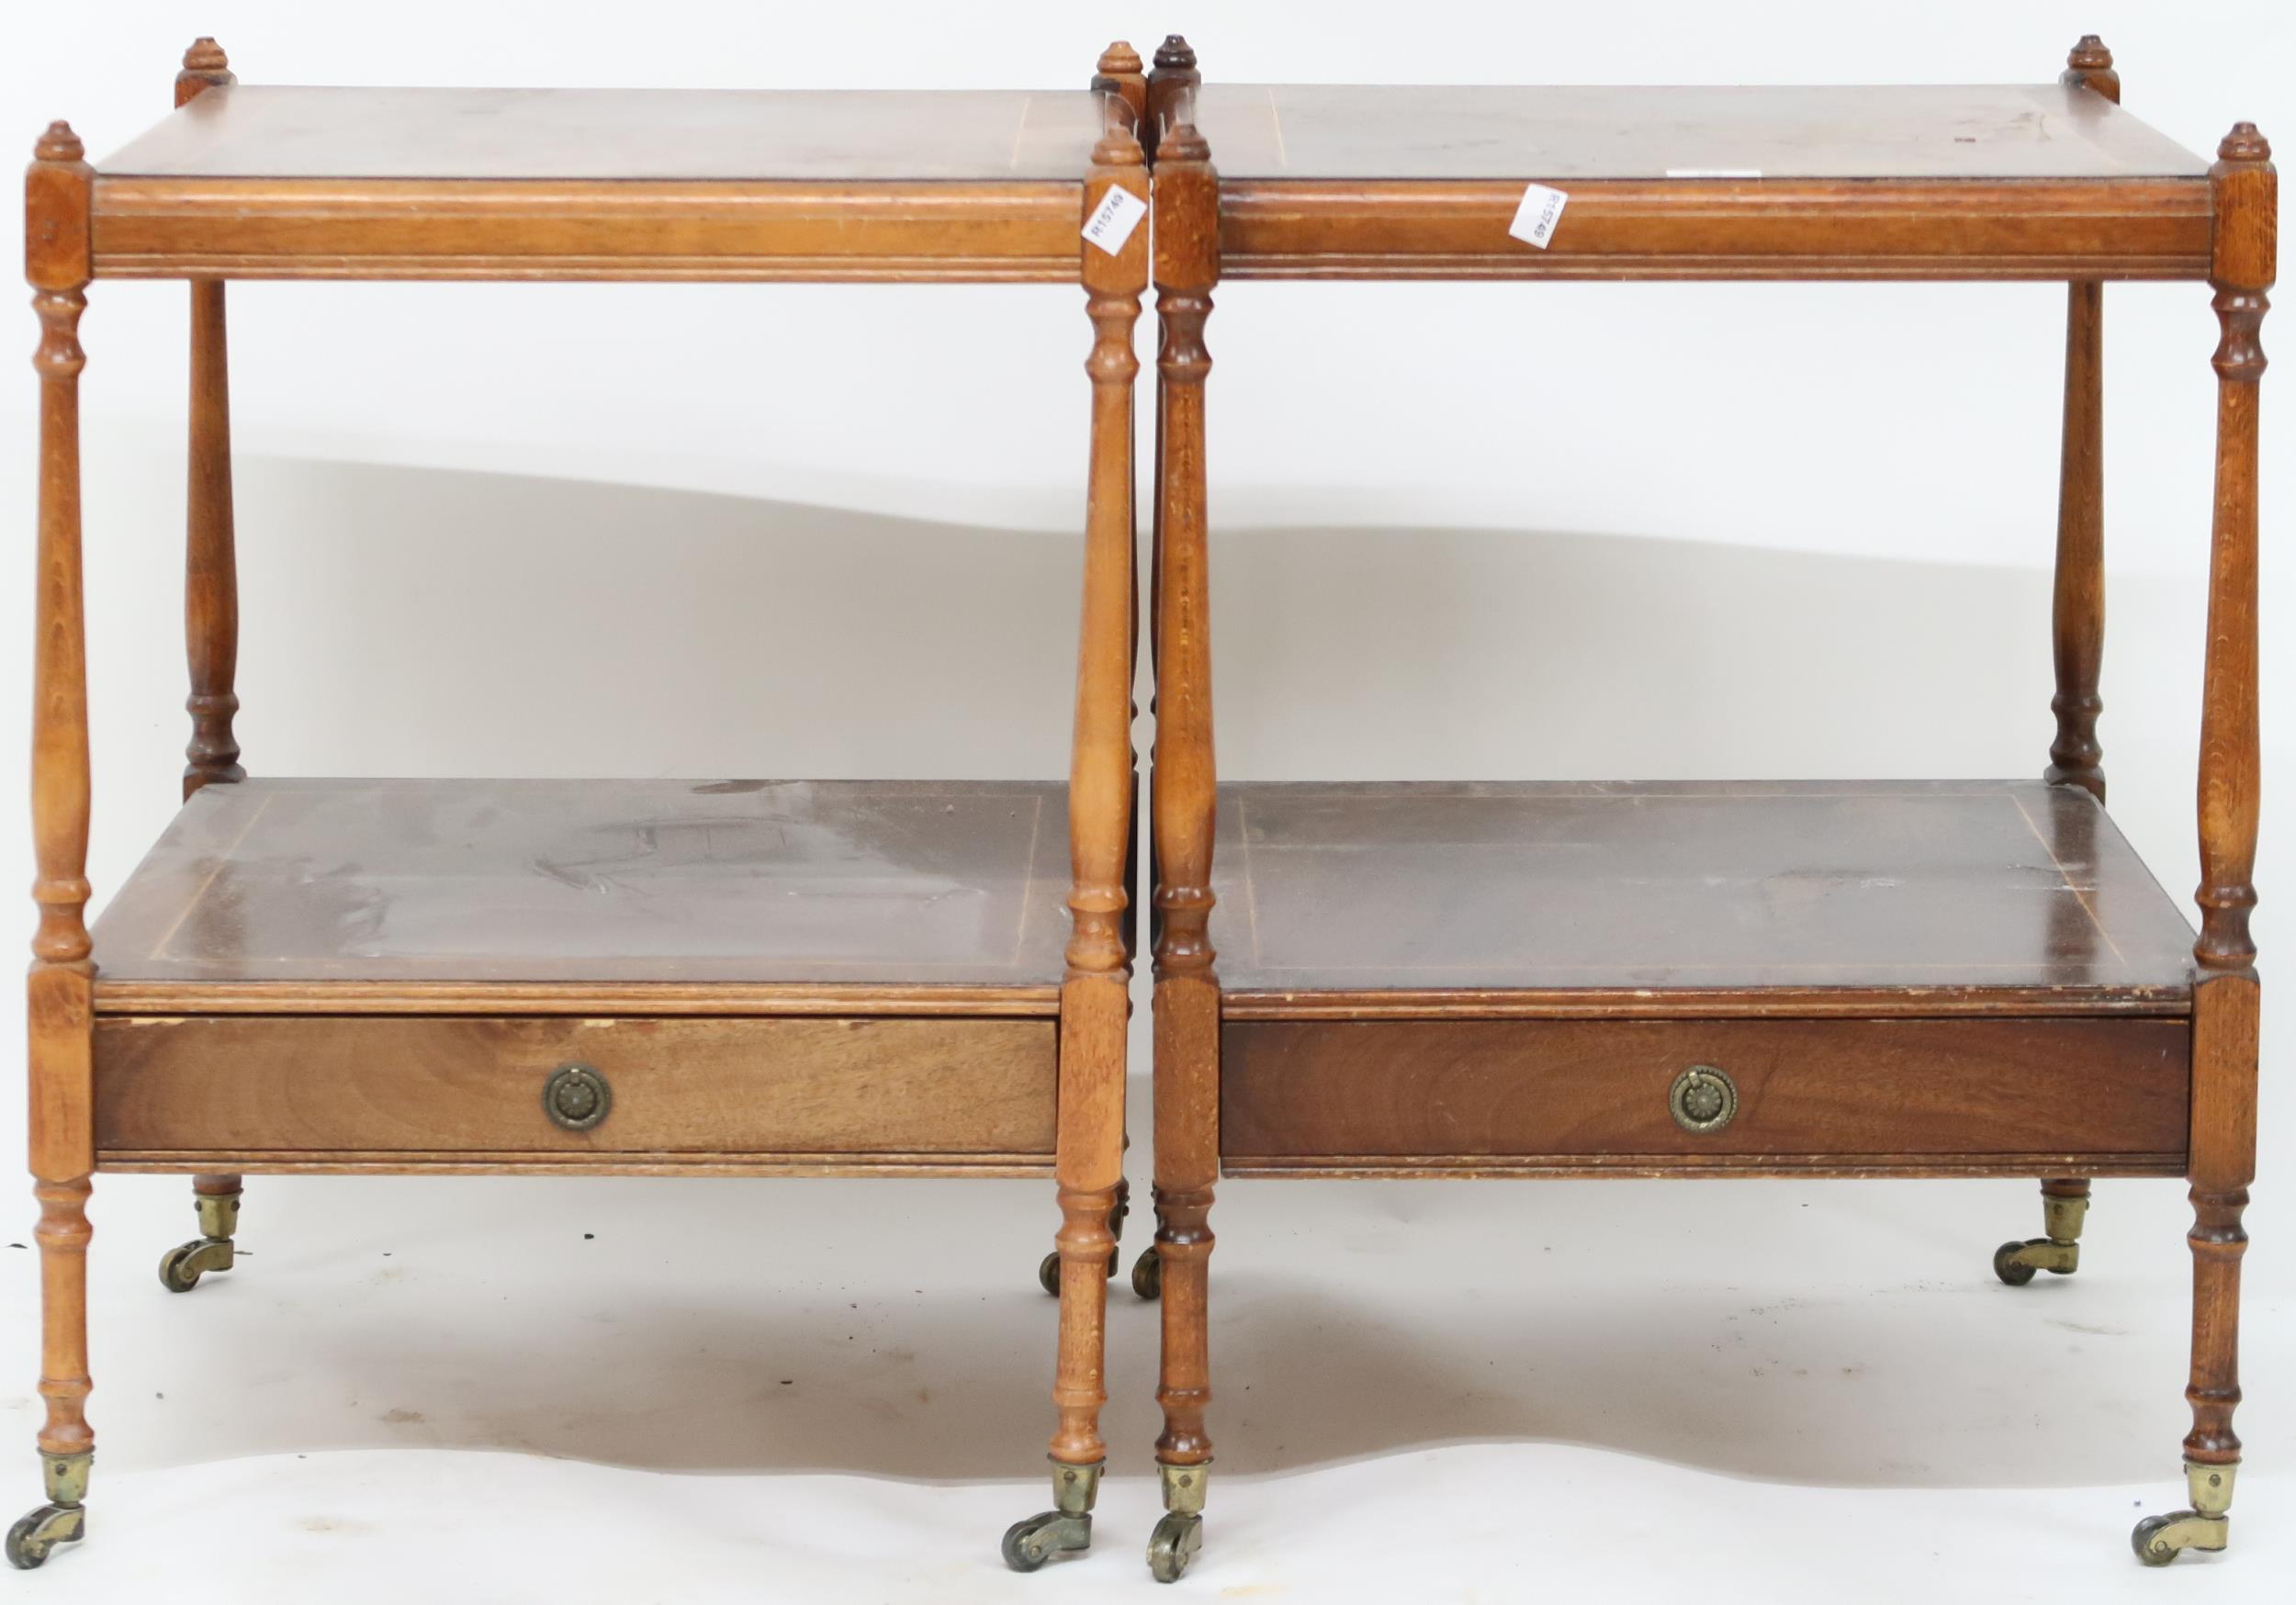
(1173, 1545)
(2015, 1262)
(1029, 1545)
(181, 1268)
(60, 1520)
(1148, 1274)
(1067, 1527)
(2161, 1539)
(30, 1540)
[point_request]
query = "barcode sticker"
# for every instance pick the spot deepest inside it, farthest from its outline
(1535, 219)
(1113, 221)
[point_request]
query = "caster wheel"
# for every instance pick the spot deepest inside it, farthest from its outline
(25, 1552)
(32, 1539)
(2151, 1552)
(1024, 1548)
(1173, 1545)
(2006, 1267)
(1148, 1274)
(1029, 1545)
(175, 1276)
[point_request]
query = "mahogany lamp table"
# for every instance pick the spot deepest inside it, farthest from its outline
(1683, 979)
(363, 976)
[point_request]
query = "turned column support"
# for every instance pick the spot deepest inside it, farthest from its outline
(1094, 994)
(56, 189)
(2225, 1003)
(2223, 1162)
(2241, 272)
(2077, 614)
(211, 563)
(1187, 988)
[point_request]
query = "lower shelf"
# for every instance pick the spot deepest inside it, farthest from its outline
(1687, 898)
(1884, 977)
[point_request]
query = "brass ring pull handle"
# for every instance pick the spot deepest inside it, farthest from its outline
(576, 1097)
(1703, 1099)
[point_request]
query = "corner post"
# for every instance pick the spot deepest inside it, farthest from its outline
(211, 563)
(1187, 197)
(1094, 997)
(58, 263)
(2223, 1162)
(1089, 1160)
(2078, 612)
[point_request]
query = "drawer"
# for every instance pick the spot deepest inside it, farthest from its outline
(449, 1087)
(1810, 1089)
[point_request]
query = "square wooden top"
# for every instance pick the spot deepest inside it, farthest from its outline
(2015, 181)
(1580, 132)
(257, 181)
(287, 894)
(665, 135)
(1886, 896)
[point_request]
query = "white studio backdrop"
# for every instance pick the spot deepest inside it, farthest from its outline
(1461, 531)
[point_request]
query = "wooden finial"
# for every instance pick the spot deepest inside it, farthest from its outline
(1119, 75)
(1183, 143)
(1171, 93)
(2243, 144)
(59, 144)
(2089, 65)
(205, 67)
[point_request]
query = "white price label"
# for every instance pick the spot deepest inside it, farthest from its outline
(1113, 221)
(1535, 219)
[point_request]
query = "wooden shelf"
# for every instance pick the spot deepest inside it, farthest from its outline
(1687, 899)
(596, 896)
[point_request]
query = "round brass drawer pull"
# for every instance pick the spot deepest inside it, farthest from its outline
(1703, 1100)
(576, 1097)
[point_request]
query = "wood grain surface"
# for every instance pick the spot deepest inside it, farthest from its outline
(444, 1087)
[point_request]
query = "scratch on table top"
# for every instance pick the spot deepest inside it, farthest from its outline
(1021, 132)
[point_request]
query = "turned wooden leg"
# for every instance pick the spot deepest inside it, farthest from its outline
(2077, 614)
(211, 561)
(2225, 1003)
(2064, 1206)
(1185, 792)
(58, 991)
(1095, 994)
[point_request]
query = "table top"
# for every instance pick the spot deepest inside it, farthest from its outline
(362, 883)
(1586, 133)
(252, 131)
(1905, 896)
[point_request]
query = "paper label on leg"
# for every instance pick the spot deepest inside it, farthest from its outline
(1113, 221)
(1535, 219)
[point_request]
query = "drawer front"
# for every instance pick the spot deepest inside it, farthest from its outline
(1907, 1089)
(450, 1086)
